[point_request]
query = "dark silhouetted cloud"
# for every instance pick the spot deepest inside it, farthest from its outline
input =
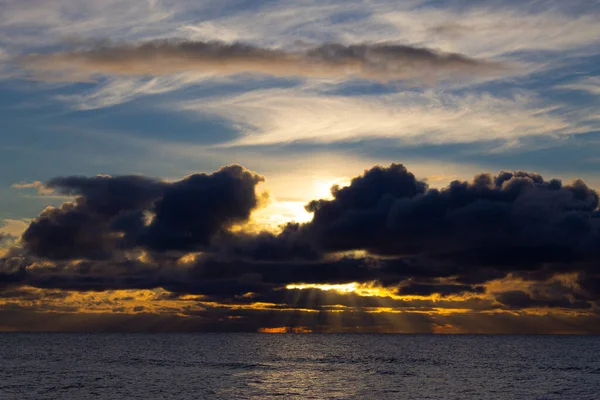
(511, 222)
(194, 209)
(110, 214)
(421, 289)
(518, 299)
(130, 232)
(382, 62)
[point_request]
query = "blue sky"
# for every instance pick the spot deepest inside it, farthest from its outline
(303, 131)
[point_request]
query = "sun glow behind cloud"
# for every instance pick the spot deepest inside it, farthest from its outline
(361, 289)
(281, 211)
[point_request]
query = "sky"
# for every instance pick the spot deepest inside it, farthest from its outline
(300, 166)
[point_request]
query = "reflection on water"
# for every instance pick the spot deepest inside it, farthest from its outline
(259, 366)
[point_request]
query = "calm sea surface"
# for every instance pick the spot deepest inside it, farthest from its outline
(260, 366)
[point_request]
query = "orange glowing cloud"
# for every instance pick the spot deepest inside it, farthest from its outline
(286, 329)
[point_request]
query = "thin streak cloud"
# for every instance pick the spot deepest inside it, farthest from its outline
(588, 84)
(282, 116)
(380, 62)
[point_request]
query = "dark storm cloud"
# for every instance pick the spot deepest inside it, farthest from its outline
(420, 241)
(108, 196)
(279, 274)
(555, 294)
(590, 285)
(288, 245)
(517, 299)
(421, 289)
(71, 231)
(110, 213)
(209, 275)
(12, 271)
(382, 62)
(511, 222)
(194, 209)
(84, 228)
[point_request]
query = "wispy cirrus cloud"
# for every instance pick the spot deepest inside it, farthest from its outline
(589, 84)
(491, 32)
(118, 90)
(61, 19)
(282, 116)
(514, 32)
(484, 29)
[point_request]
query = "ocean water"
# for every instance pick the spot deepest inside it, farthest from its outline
(314, 366)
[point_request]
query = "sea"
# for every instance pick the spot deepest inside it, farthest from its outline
(297, 366)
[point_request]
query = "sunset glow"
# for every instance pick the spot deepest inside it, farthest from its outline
(354, 166)
(361, 289)
(300, 199)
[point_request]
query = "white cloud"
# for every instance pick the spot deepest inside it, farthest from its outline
(477, 29)
(491, 32)
(61, 19)
(283, 116)
(589, 84)
(284, 22)
(120, 90)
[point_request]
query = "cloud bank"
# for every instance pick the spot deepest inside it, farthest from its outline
(513, 241)
(112, 213)
(380, 62)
